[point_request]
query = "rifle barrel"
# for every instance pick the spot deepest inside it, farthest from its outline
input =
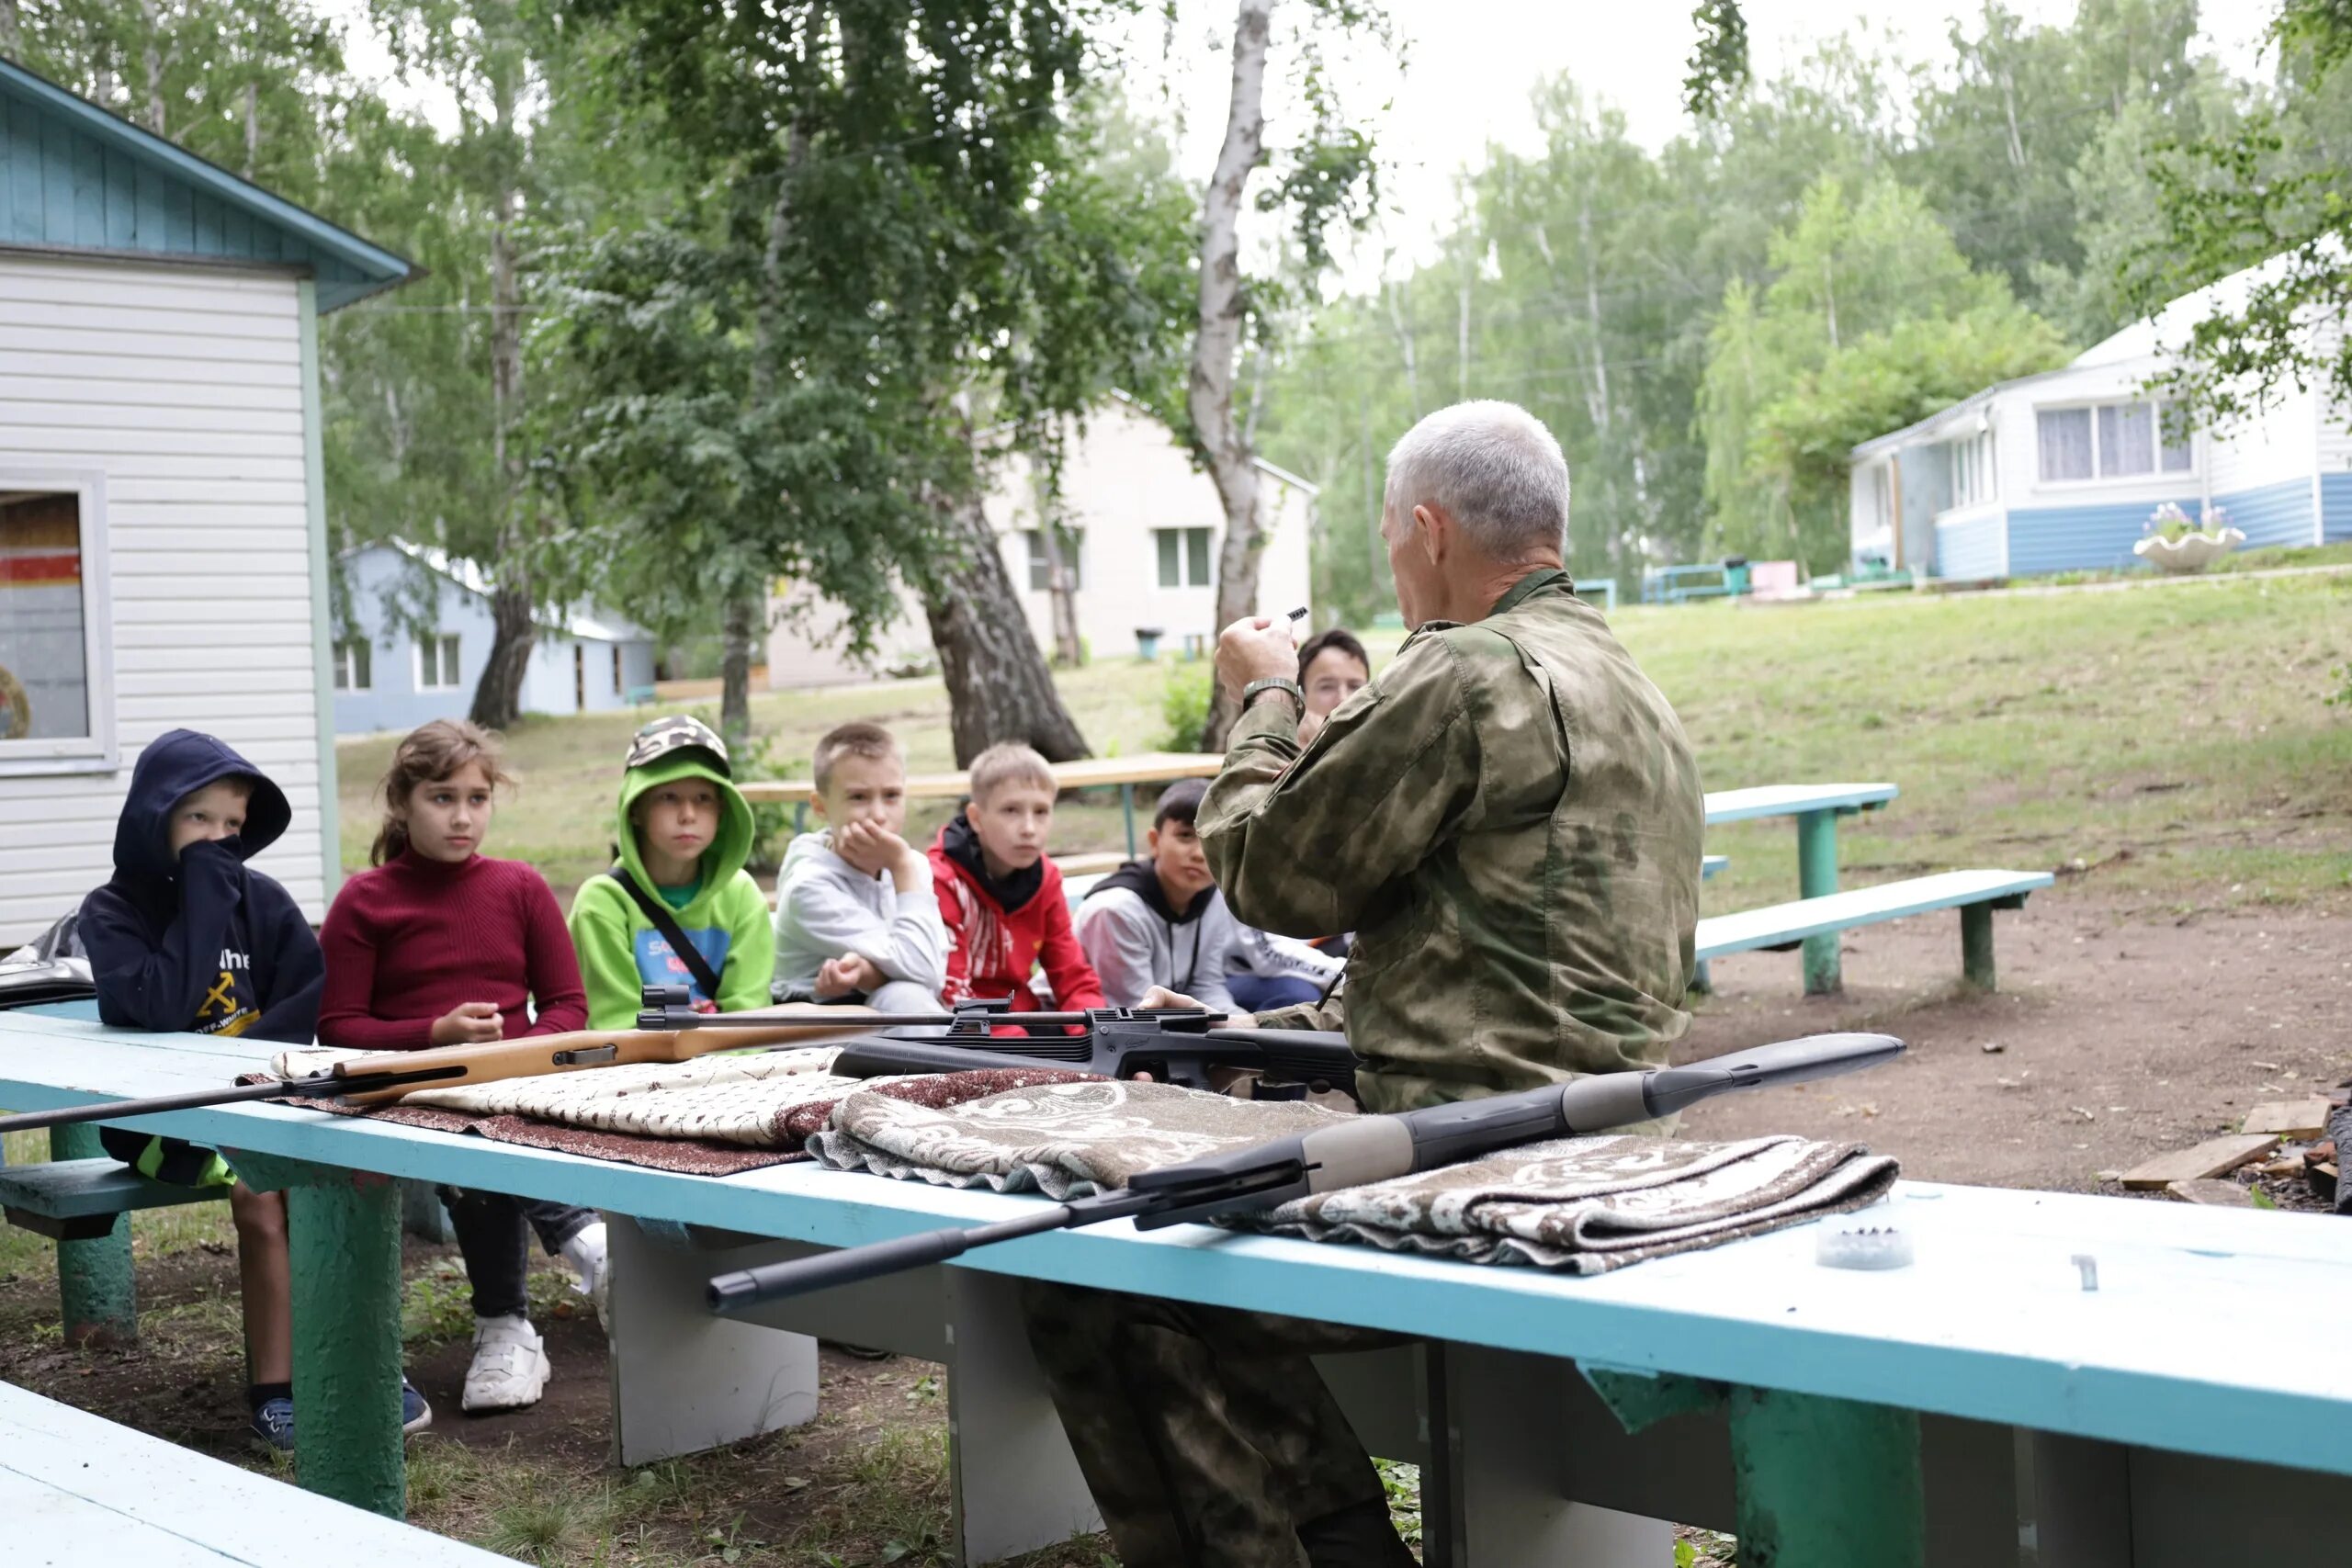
(800, 1276)
(324, 1085)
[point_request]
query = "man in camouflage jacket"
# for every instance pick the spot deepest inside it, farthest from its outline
(1508, 818)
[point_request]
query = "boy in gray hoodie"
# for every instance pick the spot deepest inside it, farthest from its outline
(856, 919)
(1161, 920)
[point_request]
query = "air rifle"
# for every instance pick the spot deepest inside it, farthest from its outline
(1349, 1152)
(384, 1075)
(1177, 1045)
(1174, 1044)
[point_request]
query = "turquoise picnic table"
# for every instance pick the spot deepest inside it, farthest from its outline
(1936, 1415)
(1817, 809)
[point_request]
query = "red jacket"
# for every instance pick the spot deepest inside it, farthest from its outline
(992, 950)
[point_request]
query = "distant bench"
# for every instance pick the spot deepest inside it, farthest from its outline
(1975, 894)
(75, 1488)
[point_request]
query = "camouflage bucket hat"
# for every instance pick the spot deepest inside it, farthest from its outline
(666, 737)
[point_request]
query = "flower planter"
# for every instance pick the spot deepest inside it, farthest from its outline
(2191, 552)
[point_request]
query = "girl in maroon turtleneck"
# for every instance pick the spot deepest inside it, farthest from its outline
(437, 945)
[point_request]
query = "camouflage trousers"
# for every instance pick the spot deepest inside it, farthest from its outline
(1205, 1434)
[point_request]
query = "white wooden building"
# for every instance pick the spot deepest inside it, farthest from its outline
(163, 530)
(1148, 528)
(2061, 471)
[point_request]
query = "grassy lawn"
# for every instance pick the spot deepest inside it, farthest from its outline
(2174, 741)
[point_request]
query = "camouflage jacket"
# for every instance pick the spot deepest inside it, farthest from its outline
(1508, 818)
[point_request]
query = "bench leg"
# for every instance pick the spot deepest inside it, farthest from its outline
(1826, 1482)
(344, 1231)
(1976, 945)
(97, 1290)
(683, 1380)
(1502, 1491)
(1817, 878)
(1014, 1483)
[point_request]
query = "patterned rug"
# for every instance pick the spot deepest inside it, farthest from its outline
(715, 1115)
(1581, 1205)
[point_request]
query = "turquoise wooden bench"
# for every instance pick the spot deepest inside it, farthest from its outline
(80, 1200)
(77, 1490)
(1975, 894)
(1817, 809)
(637, 696)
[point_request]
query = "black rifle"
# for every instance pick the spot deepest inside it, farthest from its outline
(1349, 1152)
(1178, 1045)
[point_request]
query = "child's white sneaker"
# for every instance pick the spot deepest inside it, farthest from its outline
(586, 1253)
(510, 1366)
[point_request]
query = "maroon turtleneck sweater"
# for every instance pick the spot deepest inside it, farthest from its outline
(408, 941)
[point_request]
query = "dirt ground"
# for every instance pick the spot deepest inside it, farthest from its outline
(2114, 1034)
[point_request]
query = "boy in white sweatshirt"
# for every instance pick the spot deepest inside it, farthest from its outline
(855, 915)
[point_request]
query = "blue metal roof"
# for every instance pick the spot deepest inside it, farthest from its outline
(75, 177)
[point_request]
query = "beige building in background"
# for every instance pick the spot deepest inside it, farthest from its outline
(1148, 527)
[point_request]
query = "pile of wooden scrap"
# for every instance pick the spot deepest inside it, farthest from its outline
(2287, 1144)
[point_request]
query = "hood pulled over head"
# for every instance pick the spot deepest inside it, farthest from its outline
(173, 766)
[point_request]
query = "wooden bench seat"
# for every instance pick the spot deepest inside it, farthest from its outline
(78, 1200)
(1975, 894)
(78, 1490)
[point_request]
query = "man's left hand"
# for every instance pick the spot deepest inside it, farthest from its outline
(1256, 649)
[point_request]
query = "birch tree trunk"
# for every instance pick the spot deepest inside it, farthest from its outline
(1061, 591)
(498, 696)
(12, 31)
(151, 54)
(1216, 346)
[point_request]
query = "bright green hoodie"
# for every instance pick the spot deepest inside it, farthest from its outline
(621, 953)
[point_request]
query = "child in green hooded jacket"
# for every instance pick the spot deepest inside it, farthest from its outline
(685, 831)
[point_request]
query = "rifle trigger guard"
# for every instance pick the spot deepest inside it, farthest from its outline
(587, 1057)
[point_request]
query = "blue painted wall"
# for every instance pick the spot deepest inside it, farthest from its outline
(2083, 538)
(2335, 506)
(1969, 549)
(62, 187)
(2270, 514)
(379, 577)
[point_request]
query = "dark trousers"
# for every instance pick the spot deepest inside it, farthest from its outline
(490, 1234)
(1205, 1434)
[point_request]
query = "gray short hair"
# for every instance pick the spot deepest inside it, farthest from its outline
(1494, 468)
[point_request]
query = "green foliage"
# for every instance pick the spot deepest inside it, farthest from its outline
(1718, 64)
(1184, 696)
(1874, 321)
(2273, 188)
(1402, 1484)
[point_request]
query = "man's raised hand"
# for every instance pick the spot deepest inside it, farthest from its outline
(1257, 648)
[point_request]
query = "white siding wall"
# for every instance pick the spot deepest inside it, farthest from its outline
(2264, 449)
(1125, 479)
(2334, 418)
(184, 387)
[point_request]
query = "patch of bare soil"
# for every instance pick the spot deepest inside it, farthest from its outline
(2114, 1036)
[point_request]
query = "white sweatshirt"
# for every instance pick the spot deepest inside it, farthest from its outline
(826, 908)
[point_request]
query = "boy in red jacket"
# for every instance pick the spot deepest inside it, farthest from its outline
(1001, 898)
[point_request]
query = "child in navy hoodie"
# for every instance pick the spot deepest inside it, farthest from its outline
(186, 936)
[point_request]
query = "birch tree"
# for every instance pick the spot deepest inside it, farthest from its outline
(1328, 177)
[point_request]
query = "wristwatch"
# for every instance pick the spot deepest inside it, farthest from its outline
(1273, 683)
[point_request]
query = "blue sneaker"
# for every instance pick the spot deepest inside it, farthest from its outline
(415, 1414)
(272, 1425)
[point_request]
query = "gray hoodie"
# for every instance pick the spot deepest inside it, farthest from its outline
(826, 908)
(1134, 941)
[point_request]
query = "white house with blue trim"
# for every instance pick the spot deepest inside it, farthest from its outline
(163, 503)
(2060, 471)
(413, 629)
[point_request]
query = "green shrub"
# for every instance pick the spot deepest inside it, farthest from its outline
(1184, 706)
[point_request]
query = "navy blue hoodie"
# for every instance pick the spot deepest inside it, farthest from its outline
(204, 943)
